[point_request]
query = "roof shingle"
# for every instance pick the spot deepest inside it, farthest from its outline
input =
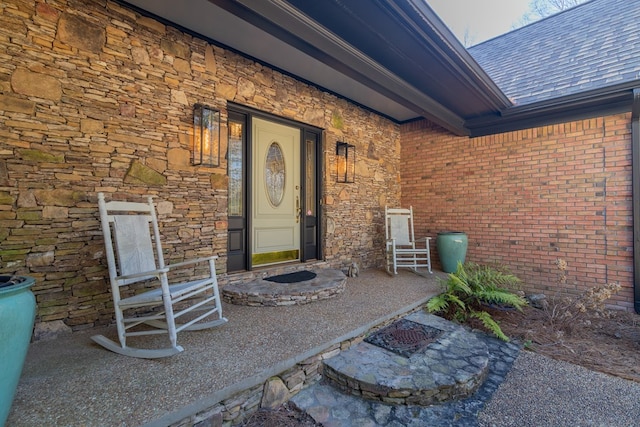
(591, 46)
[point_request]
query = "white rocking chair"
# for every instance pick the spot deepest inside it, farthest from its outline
(402, 249)
(128, 228)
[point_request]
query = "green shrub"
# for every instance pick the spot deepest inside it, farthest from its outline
(472, 288)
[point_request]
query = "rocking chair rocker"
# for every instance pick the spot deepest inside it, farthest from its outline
(133, 255)
(402, 249)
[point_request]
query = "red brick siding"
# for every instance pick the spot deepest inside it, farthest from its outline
(529, 197)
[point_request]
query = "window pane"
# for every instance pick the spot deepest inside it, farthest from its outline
(310, 176)
(275, 174)
(236, 184)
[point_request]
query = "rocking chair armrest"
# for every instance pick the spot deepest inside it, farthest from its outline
(144, 274)
(192, 261)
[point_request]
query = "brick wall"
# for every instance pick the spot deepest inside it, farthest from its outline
(529, 197)
(95, 97)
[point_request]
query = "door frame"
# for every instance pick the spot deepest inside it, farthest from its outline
(310, 226)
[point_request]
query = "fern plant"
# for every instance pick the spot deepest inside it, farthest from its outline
(471, 288)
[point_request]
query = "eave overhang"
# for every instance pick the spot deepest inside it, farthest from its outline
(393, 57)
(306, 35)
(603, 101)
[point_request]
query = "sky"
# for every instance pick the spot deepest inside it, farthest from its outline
(485, 19)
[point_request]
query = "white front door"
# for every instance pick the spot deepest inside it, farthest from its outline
(275, 224)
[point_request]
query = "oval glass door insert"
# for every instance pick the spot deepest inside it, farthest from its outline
(275, 173)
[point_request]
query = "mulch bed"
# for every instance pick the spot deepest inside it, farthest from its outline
(608, 344)
(287, 415)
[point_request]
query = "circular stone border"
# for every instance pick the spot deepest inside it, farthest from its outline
(327, 284)
(452, 367)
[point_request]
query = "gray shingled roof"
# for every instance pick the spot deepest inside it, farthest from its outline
(591, 46)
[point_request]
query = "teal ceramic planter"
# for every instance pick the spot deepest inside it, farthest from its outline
(17, 314)
(452, 248)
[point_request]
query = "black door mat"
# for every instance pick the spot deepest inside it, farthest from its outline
(404, 337)
(295, 277)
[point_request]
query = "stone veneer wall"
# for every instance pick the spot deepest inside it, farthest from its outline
(530, 197)
(236, 408)
(95, 97)
(277, 390)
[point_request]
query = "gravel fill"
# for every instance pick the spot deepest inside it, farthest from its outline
(539, 391)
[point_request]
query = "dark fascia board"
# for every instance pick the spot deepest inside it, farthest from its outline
(452, 53)
(286, 22)
(598, 102)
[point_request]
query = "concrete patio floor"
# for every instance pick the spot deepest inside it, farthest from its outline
(71, 381)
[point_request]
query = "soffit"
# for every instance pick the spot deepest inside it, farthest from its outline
(394, 57)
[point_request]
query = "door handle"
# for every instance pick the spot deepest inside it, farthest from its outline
(298, 211)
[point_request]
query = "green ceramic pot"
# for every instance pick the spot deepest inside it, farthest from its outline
(452, 248)
(17, 315)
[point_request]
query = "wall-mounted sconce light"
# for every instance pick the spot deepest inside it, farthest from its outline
(346, 162)
(206, 136)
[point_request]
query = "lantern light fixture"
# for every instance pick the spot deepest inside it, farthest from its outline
(345, 162)
(206, 136)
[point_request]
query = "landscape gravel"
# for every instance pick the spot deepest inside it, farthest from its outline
(540, 391)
